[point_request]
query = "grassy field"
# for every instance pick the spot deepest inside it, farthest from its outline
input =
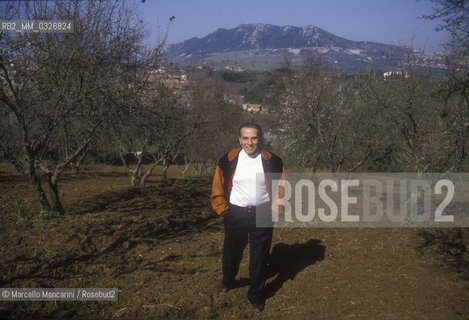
(161, 247)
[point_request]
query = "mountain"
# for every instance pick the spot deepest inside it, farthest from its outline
(265, 43)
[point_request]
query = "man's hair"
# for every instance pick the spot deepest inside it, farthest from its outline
(252, 125)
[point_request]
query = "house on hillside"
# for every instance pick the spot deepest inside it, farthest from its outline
(255, 108)
(395, 74)
(233, 99)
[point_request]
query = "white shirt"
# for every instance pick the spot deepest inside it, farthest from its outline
(246, 189)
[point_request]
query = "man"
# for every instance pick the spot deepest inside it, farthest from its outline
(241, 199)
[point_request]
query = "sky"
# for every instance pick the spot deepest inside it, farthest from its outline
(385, 21)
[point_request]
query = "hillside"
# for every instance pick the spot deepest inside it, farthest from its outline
(265, 43)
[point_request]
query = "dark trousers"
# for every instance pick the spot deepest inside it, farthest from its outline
(240, 224)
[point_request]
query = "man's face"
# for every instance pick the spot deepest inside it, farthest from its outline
(249, 140)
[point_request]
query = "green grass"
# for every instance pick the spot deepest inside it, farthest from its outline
(21, 213)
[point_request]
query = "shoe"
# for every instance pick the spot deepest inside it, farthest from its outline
(223, 289)
(257, 307)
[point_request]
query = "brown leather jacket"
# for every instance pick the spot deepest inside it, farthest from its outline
(224, 173)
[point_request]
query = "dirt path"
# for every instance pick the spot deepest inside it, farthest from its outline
(161, 246)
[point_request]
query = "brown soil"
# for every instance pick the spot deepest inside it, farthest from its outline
(161, 247)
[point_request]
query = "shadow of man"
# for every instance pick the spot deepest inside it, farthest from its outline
(286, 261)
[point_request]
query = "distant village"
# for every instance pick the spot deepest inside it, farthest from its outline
(176, 79)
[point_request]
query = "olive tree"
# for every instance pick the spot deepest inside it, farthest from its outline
(58, 88)
(321, 123)
(214, 135)
(152, 129)
(454, 93)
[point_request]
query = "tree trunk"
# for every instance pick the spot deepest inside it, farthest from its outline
(197, 168)
(54, 196)
(75, 165)
(164, 175)
(136, 176)
(205, 166)
(187, 165)
(137, 172)
(148, 173)
(36, 182)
